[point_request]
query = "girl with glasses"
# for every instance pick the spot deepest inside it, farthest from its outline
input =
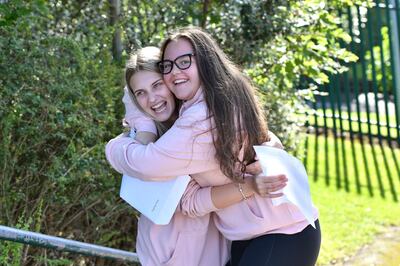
(219, 122)
(188, 239)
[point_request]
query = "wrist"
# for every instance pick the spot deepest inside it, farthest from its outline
(241, 191)
(248, 187)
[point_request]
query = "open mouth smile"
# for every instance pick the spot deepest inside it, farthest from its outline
(160, 107)
(180, 81)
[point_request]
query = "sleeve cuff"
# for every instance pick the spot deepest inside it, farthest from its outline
(205, 195)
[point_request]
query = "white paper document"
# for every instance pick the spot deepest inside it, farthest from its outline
(297, 191)
(157, 200)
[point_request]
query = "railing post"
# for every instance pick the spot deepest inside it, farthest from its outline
(394, 19)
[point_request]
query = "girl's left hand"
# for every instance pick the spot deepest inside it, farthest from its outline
(266, 186)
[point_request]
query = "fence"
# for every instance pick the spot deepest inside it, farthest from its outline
(365, 100)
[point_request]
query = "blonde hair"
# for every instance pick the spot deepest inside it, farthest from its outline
(144, 59)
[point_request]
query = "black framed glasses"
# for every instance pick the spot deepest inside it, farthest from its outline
(182, 62)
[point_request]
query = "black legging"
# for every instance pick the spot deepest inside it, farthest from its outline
(299, 249)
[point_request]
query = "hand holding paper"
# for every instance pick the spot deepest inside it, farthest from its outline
(297, 191)
(267, 186)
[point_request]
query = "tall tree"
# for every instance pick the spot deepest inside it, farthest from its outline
(115, 12)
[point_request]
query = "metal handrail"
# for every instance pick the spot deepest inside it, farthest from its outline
(62, 244)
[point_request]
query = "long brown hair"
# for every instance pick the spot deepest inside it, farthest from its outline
(231, 102)
(145, 59)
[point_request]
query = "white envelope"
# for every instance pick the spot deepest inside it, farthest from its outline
(297, 191)
(157, 200)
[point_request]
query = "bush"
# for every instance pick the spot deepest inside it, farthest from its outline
(57, 110)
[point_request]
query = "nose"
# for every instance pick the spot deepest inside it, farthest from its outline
(152, 97)
(175, 69)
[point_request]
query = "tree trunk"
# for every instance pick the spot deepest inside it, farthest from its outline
(206, 4)
(115, 12)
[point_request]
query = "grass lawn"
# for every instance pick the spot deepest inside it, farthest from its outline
(356, 188)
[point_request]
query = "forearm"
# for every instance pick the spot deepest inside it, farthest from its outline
(229, 194)
(199, 201)
(118, 154)
(161, 160)
(145, 137)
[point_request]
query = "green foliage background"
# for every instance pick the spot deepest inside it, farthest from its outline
(60, 92)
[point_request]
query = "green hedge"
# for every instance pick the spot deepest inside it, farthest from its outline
(57, 111)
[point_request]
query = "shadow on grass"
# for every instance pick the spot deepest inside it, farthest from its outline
(353, 163)
(388, 168)
(366, 166)
(396, 163)
(378, 171)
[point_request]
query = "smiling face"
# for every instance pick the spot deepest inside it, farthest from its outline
(183, 83)
(153, 95)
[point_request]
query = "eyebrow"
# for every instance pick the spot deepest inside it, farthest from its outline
(188, 53)
(152, 84)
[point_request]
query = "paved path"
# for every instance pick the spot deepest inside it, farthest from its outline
(384, 251)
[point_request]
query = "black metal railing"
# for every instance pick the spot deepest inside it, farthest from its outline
(365, 100)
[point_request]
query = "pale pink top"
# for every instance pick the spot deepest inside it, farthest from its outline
(185, 240)
(187, 148)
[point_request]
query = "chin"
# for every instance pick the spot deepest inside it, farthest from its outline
(161, 118)
(180, 95)
(183, 97)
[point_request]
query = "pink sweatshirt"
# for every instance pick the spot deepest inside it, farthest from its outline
(185, 240)
(187, 148)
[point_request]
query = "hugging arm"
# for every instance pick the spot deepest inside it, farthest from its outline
(171, 156)
(198, 201)
(196, 198)
(184, 149)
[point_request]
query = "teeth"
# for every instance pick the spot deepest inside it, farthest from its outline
(157, 105)
(179, 81)
(158, 108)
